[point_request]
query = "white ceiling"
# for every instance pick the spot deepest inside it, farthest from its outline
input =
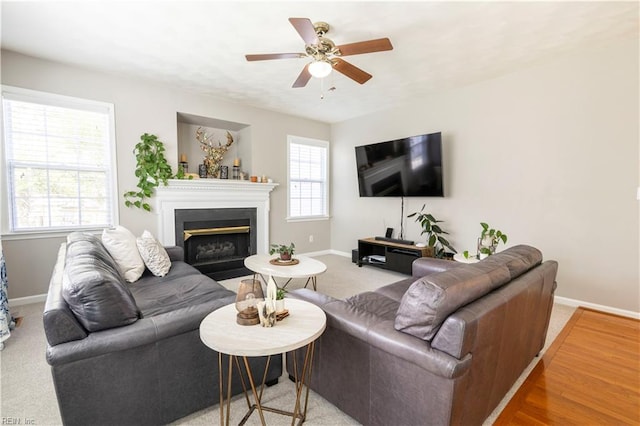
(200, 45)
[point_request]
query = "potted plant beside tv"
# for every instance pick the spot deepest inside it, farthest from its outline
(284, 251)
(434, 233)
(489, 240)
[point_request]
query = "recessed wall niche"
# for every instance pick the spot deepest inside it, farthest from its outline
(189, 146)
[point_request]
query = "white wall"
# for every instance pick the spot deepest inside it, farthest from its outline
(141, 106)
(548, 155)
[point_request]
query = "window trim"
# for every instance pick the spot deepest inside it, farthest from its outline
(6, 194)
(300, 140)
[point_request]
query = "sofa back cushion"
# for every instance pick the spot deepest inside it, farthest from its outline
(431, 299)
(92, 286)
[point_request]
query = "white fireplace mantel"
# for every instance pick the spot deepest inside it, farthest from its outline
(212, 194)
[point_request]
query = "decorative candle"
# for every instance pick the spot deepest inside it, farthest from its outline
(183, 158)
(236, 162)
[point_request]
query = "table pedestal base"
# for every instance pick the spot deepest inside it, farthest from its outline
(312, 279)
(299, 411)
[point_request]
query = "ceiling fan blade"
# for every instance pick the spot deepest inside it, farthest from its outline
(268, 56)
(351, 71)
(303, 78)
(305, 28)
(370, 46)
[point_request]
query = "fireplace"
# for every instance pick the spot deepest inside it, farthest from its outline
(216, 241)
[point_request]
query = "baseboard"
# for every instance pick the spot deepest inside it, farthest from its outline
(19, 301)
(325, 252)
(575, 303)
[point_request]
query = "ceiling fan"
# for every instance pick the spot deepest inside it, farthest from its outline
(325, 54)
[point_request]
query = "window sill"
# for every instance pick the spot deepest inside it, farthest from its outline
(33, 235)
(307, 218)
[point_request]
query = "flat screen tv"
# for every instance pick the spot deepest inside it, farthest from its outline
(407, 167)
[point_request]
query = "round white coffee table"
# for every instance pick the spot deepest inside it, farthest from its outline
(220, 332)
(306, 267)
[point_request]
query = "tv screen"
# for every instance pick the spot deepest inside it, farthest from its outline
(407, 167)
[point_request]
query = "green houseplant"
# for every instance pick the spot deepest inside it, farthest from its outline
(433, 231)
(152, 169)
(489, 239)
(285, 251)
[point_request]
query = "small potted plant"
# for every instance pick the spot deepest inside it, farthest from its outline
(434, 232)
(489, 240)
(285, 251)
(280, 292)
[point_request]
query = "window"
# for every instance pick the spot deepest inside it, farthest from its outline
(59, 156)
(308, 178)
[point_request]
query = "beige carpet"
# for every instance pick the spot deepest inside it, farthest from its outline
(27, 394)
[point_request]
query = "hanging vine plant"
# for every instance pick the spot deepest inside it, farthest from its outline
(152, 169)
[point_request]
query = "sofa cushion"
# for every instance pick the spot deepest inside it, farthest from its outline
(518, 259)
(153, 254)
(178, 289)
(93, 287)
(121, 244)
(374, 303)
(430, 299)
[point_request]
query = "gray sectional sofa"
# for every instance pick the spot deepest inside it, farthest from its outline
(130, 353)
(442, 347)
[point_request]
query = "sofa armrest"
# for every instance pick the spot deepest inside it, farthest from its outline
(430, 265)
(175, 253)
(60, 324)
(142, 332)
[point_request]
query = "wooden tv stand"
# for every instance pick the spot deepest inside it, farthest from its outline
(397, 257)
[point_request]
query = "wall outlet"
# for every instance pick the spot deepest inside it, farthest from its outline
(311, 238)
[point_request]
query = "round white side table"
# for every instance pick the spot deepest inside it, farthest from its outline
(220, 332)
(306, 267)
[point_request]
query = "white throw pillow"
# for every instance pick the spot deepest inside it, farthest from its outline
(153, 254)
(121, 245)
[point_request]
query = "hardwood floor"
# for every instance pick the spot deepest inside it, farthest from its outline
(589, 376)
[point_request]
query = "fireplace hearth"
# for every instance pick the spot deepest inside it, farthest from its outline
(216, 241)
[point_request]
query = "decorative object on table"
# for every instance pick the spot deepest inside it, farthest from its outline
(489, 240)
(285, 251)
(249, 295)
(282, 315)
(280, 292)
(152, 169)
(267, 308)
(254, 178)
(279, 262)
(214, 154)
(183, 165)
(224, 172)
(434, 232)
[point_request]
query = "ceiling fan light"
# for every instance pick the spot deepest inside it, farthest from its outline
(320, 69)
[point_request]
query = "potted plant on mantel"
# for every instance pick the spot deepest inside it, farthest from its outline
(285, 251)
(434, 232)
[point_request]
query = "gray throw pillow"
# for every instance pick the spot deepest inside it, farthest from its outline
(93, 287)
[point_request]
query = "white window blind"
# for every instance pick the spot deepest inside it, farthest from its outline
(58, 155)
(308, 178)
